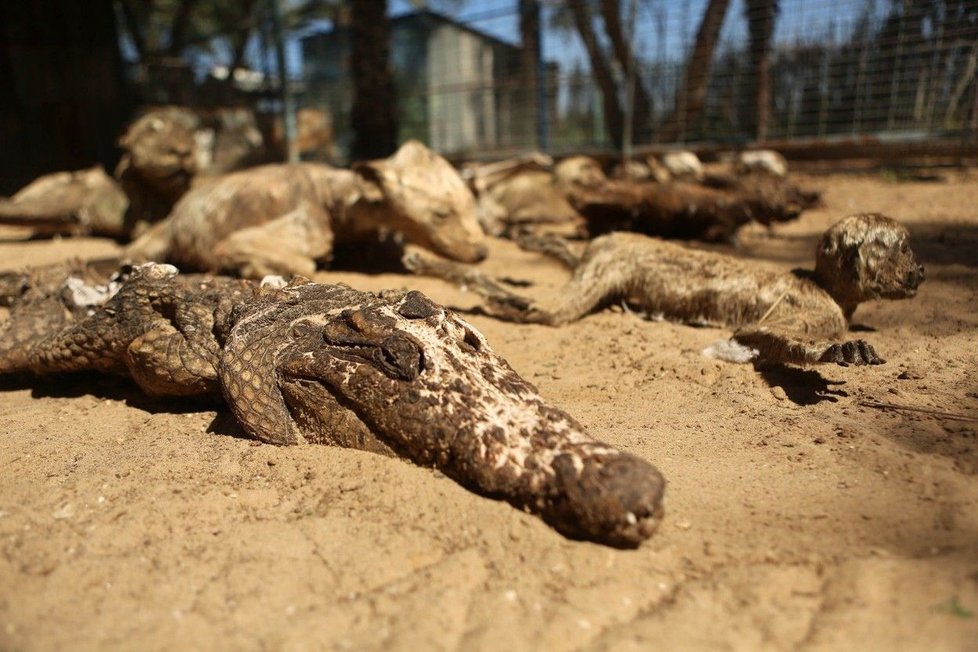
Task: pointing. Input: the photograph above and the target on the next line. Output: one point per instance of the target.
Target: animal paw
(513, 308)
(854, 352)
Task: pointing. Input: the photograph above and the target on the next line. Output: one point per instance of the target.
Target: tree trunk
(132, 22)
(642, 105)
(374, 112)
(181, 23)
(967, 77)
(529, 59)
(242, 33)
(690, 101)
(63, 102)
(613, 118)
(761, 15)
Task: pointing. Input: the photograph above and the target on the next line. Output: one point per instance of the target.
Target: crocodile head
(397, 373)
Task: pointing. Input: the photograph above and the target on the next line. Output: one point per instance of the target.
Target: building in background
(458, 88)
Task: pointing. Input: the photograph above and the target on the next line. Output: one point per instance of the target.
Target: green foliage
(155, 26)
(954, 608)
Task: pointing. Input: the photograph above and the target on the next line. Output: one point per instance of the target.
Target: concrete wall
(461, 110)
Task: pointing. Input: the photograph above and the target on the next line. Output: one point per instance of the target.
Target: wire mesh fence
(491, 77)
(891, 69)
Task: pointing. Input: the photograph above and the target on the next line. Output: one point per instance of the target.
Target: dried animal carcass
(520, 195)
(78, 203)
(677, 208)
(797, 317)
(286, 218)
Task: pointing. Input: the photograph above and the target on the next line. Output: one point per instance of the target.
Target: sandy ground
(798, 518)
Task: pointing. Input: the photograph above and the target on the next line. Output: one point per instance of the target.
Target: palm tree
(578, 15)
(761, 15)
(641, 103)
(72, 120)
(161, 29)
(692, 97)
(529, 63)
(373, 115)
(613, 116)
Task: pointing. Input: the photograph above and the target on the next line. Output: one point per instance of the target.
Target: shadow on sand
(105, 387)
(942, 243)
(801, 386)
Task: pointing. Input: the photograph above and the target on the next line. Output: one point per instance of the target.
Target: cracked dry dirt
(797, 517)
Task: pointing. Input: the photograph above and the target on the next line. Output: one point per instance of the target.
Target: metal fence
(890, 69)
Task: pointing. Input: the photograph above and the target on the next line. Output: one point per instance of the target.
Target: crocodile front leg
(159, 329)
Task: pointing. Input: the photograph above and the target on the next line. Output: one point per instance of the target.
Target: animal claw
(855, 352)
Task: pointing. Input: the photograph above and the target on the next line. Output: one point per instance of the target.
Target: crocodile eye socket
(470, 341)
(303, 329)
(417, 306)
